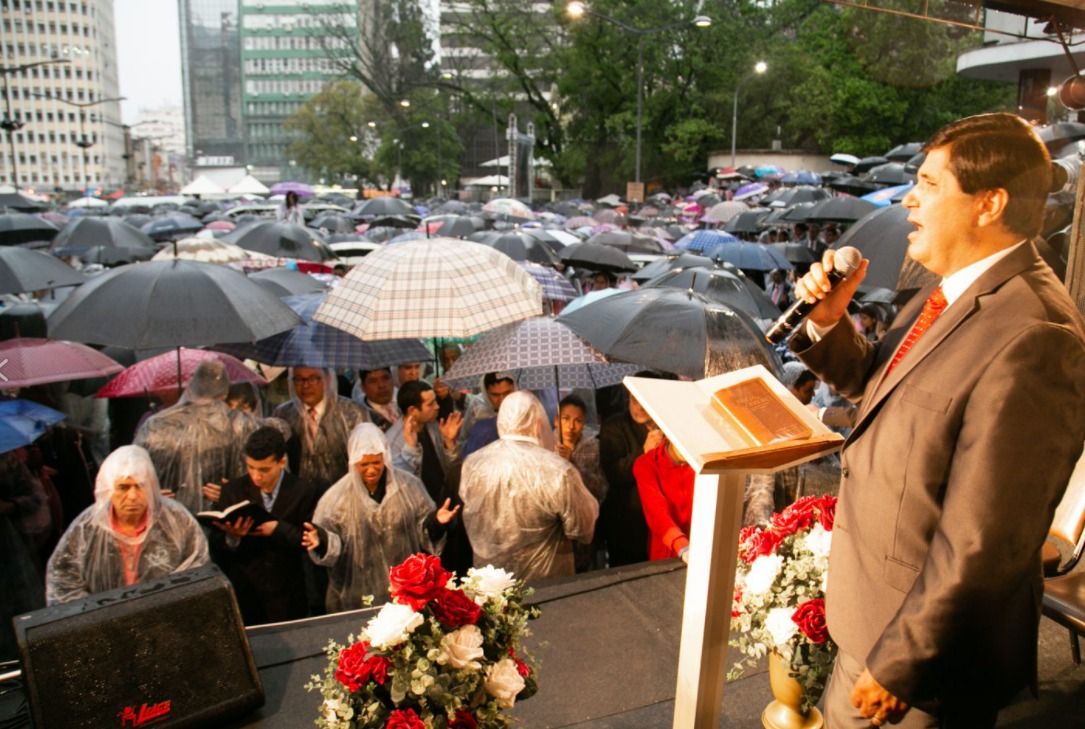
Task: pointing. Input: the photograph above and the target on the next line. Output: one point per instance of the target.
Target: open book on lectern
(744, 419)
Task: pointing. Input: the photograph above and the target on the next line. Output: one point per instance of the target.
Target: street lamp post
(759, 68)
(577, 10)
(11, 124)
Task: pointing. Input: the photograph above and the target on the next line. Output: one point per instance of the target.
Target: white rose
(819, 541)
(392, 625)
(464, 647)
(780, 625)
(763, 573)
(504, 682)
(489, 582)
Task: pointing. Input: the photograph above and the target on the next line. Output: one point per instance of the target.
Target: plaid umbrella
(507, 207)
(317, 345)
(159, 374)
(541, 353)
(700, 241)
(554, 286)
(440, 287)
(27, 361)
(724, 211)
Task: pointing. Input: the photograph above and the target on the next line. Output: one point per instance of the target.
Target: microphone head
(847, 260)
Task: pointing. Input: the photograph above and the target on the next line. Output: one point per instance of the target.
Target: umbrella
(453, 207)
(801, 177)
(453, 226)
(402, 237)
(83, 236)
(868, 163)
(626, 241)
(382, 206)
(439, 287)
(724, 211)
(904, 152)
(555, 287)
(22, 422)
(703, 241)
(110, 255)
(394, 221)
(881, 236)
(506, 207)
(137, 220)
(518, 245)
(302, 190)
(721, 286)
(670, 263)
(840, 209)
(287, 282)
(30, 361)
(849, 160)
(554, 238)
(748, 222)
(318, 345)
(579, 221)
(607, 215)
(333, 223)
(282, 240)
(159, 373)
(170, 304)
(671, 330)
(891, 173)
(596, 257)
(852, 185)
(751, 190)
(796, 195)
(887, 195)
(751, 256)
(18, 228)
(170, 226)
(590, 297)
(19, 201)
(23, 270)
(541, 353)
(205, 250)
(794, 252)
(222, 225)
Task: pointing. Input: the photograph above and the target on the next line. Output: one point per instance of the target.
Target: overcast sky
(148, 54)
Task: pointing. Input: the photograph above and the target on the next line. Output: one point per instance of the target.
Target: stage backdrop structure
(725, 427)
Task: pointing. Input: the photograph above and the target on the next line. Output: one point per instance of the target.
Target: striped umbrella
(541, 353)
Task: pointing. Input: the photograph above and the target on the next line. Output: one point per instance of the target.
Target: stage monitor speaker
(170, 652)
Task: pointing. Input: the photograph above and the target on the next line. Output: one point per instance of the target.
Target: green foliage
(325, 124)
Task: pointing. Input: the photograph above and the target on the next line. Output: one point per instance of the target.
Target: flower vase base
(779, 715)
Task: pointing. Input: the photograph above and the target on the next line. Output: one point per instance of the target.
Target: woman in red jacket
(665, 483)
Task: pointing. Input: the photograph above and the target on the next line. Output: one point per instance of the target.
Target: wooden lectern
(726, 427)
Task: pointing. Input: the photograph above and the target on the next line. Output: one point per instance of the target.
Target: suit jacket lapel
(955, 315)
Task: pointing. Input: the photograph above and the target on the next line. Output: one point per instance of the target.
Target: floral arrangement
(779, 602)
(443, 654)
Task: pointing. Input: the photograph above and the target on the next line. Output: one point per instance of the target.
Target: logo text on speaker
(147, 714)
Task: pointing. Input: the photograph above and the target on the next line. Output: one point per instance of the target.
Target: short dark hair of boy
(410, 394)
(265, 442)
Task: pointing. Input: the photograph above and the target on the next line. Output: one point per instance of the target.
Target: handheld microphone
(847, 260)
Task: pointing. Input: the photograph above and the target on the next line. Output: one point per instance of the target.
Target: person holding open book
(969, 426)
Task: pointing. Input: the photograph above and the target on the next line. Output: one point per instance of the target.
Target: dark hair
(490, 379)
(573, 400)
(244, 392)
(1000, 150)
(654, 375)
(410, 394)
(804, 377)
(291, 198)
(362, 374)
(264, 442)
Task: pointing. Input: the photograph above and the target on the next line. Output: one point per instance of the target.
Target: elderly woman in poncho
(130, 534)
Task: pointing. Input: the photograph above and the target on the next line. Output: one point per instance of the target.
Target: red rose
(353, 670)
(404, 719)
(757, 542)
(827, 512)
(454, 609)
(379, 668)
(464, 719)
(522, 668)
(418, 580)
(810, 617)
(736, 605)
(795, 518)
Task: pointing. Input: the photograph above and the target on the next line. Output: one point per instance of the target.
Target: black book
(232, 513)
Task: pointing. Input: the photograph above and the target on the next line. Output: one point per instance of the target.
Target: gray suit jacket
(950, 481)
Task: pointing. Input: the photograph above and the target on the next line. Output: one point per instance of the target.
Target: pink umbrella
(579, 221)
(26, 361)
(159, 374)
(220, 225)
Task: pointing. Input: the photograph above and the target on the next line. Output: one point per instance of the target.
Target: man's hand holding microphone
(823, 294)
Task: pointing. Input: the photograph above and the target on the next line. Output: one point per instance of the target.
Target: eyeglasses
(313, 380)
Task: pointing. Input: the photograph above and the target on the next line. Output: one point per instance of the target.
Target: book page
(759, 413)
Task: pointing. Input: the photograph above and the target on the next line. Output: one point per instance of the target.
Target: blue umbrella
(588, 298)
(22, 422)
(700, 241)
(884, 197)
(751, 256)
(801, 177)
(318, 345)
(169, 226)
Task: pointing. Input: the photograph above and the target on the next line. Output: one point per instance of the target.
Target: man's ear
(991, 206)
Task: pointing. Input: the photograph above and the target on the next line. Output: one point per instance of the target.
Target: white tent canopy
(487, 181)
(202, 186)
(248, 185)
(503, 161)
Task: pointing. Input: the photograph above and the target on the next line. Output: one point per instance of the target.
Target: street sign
(634, 192)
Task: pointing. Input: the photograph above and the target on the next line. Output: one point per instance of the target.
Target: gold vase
(785, 711)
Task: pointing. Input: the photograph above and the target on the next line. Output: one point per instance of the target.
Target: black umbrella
(596, 257)
(394, 221)
(840, 209)
(382, 206)
(18, 201)
(333, 223)
(748, 222)
(794, 195)
(890, 174)
(868, 163)
(174, 303)
(852, 185)
(881, 236)
(798, 253)
(671, 330)
(914, 163)
(137, 220)
(172, 226)
(283, 240)
(451, 207)
(669, 263)
(544, 236)
(721, 286)
(79, 236)
(24, 228)
(904, 152)
(26, 270)
(628, 242)
(110, 255)
(454, 226)
(287, 282)
(518, 245)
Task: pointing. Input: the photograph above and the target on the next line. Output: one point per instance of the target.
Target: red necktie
(932, 309)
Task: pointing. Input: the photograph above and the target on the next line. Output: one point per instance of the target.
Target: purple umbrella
(281, 188)
(753, 188)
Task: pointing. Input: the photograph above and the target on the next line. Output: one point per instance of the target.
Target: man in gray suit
(972, 416)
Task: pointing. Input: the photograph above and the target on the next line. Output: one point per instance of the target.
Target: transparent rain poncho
(523, 503)
(323, 460)
(92, 554)
(200, 439)
(365, 538)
